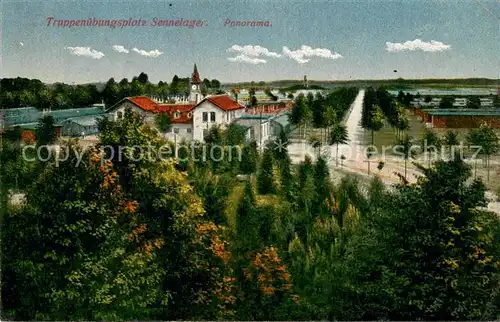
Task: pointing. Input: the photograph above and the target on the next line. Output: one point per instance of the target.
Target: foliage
(128, 235)
(338, 135)
(446, 102)
(266, 178)
(163, 122)
(46, 131)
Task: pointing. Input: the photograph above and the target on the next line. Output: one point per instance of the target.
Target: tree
(300, 114)
(143, 78)
(110, 92)
(430, 141)
(401, 96)
(247, 222)
(486, 140)
(451, 141)
(315, 142)
(249, 158)
(215, 84)
(447, 102)
(322, 183)
(377, 122)
(496, 101)
(473, 102)
(338, 135)
(175, 85)
(405, 146)
(402, 124)
(266, 175)
(253, 101)
(80, 245)
(163, 122)
(46, 131)
(194, 256)
(235, 135)
(432, 257)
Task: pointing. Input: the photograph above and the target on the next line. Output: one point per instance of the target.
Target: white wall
(183, 133)
(255, 130)
(222, 118)
(149, 117)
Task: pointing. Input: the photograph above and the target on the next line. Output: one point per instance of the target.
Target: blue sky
(466, 35)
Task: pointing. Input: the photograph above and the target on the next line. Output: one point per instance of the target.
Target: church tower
(195, 87)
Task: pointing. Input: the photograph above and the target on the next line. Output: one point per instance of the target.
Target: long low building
(69, 122)
(459, 118)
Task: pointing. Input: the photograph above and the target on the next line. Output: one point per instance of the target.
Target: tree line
(22, 92)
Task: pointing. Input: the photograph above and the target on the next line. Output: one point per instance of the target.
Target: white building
(191, 118)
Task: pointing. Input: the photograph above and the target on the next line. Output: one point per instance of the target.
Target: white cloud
(250, 54)
(417, 44)
(152, 53)
(303, 54)
(247, 59)
(253, 51)
(121, 49)
(86, 52)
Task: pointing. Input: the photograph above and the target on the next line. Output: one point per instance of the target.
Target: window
(189, 130)
(212, 116)
(205, 117)
(227, 116)
(169, 130)
(176, 114)
(176, 130)
(119, 115)
(190, 114)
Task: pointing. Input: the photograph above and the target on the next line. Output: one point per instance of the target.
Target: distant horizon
(284, 80)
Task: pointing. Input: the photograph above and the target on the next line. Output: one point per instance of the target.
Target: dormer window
(190, 114)
(177, 114)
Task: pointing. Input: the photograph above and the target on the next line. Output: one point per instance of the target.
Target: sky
(325, 40)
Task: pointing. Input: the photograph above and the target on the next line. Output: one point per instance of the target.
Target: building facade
(191, 119)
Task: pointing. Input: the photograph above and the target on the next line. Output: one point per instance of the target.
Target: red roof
(148, 105)
(184, 115)
(225, 103)
(174, 107)
(144, 103)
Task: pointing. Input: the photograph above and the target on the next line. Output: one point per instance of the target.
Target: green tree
(266, 175)
(300, 114)
(447, 102)
(46, 131)
(78, 245)
(432, 256)
(163, 122)
(496, 101)
(338, 136)
(451, 140)
(486, 140)
(405, 146)
(430, 141)
(194, 255)
(143, 78)
(473, 102)
(249, 157)
(246, 223)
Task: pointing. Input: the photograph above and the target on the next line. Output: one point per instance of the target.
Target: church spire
(195, 77)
